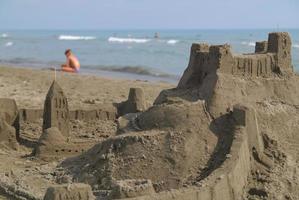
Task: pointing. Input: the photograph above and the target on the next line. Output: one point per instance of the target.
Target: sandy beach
(29, 87)
(227, 130)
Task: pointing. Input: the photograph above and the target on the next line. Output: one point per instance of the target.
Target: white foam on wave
(73, 37)
(252, 44)
(4, 35)
(127, 40)
(296, 45)
(172, 41)
(9, 44)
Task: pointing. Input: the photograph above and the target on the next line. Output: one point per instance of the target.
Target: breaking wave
(8, 44)
(172, 41)
(73, 37)
(252, 44)
(296, 45)
(128, 40)
(3, 35)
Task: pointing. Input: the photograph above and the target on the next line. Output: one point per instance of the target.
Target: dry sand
(29, 88)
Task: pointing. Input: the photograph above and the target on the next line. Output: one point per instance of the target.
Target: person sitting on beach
(72, 62)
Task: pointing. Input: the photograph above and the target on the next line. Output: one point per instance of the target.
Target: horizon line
(137, 29)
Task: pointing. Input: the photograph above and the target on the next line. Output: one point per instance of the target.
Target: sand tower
(135, 102)
(56, 112)
(11, 113)
(281, 45)
(9, 123)
(7, 133)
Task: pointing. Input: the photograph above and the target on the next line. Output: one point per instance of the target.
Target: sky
(148, 14)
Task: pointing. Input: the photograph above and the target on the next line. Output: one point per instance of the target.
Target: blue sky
(146, 14)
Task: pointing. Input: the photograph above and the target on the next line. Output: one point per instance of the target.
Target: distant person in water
(157, 35)
(72, 63)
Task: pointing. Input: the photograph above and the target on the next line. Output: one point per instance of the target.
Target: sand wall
(225, 183)
(31, 115)
(76, 191)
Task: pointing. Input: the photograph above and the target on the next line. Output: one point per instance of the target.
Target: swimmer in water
(157, 36)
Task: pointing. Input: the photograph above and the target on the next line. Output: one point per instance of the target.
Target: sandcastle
(54, 141)
(56, 111)
(208, 138)
(197, 138)
(271, 58)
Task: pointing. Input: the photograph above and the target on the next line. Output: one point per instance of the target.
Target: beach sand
(29, 87)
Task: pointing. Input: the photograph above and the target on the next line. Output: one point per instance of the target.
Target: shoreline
(105, 72)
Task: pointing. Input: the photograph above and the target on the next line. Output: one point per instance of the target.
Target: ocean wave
(172, 41)
(296, 45)
(139, 70)
(73, 37)
(252, 44)
(128, 40)
(21, 61)
(3, 35)
(8, 44)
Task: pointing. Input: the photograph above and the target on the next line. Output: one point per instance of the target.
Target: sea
(135, 54)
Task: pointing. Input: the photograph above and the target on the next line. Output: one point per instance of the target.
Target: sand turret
(7, 134)
(135, 102)
(261, 47)
(280, 44)
(9, 123)
(10, 109)
(56, 111)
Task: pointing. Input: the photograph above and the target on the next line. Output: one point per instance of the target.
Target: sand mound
(176, 143)
(49, 140)
(173, 149)
(52, 136)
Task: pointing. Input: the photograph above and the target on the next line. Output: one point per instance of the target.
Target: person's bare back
(72, 62)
